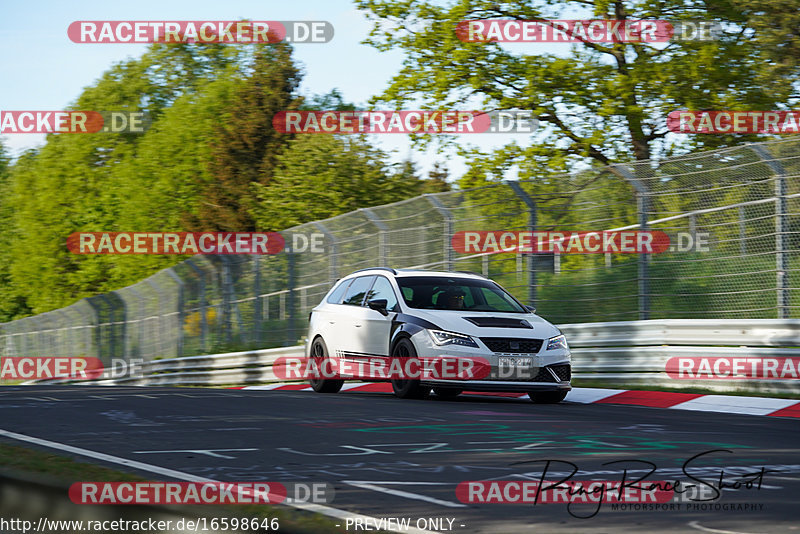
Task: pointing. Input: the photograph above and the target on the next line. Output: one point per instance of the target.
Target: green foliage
(319, 176)
(245, 144)
(599, 103)
(11, 304)
(211, 160)
(93, 182)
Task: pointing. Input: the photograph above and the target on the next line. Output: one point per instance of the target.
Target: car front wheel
(319, 352)
(407, 388)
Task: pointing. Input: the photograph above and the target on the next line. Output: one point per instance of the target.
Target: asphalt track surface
(395, 458)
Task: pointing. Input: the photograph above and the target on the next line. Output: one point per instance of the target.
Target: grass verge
(61, 471)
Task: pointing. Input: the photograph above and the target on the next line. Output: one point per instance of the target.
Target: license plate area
(514, 363)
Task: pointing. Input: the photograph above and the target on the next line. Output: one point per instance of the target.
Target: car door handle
(358, 326)
(332, 322)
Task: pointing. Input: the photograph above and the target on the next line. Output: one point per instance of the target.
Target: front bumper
(499, 385)
(551, 371)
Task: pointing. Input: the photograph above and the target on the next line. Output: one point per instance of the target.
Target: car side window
(336, 296)
(354, 296)
(408, 293)
(382, 289)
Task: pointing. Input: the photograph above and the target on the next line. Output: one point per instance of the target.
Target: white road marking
(698, 526)
(208, 452)
(179, 475)
(406, 494)
(396, 483)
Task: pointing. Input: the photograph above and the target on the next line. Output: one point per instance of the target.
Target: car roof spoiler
(376, 269)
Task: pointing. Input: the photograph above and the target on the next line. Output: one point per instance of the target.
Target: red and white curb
(653, 399)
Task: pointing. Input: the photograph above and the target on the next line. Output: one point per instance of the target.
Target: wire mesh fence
(733, 216)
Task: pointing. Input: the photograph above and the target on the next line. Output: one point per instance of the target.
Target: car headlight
(558, 342)
(441, 337)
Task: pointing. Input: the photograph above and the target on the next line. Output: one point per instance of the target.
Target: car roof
(414, 272)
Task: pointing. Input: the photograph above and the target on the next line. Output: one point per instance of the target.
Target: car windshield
(444, 293)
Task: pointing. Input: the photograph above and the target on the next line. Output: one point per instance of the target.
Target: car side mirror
(379, 305)
(530, 309)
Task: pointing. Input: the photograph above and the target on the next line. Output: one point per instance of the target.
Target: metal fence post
(781, 230)
(203, 303)
(382, 230)
(292, 282)
(96, 325)
(179, 307)
(158, 338)
(642, 208)
(141, 310)
(104, 343)
(229, 296)
(333, 251)
(110, 325)
(532, 223)
(447, 246)
(258, 319)
(122, 325)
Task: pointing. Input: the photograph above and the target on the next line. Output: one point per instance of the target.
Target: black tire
(407, 388)
(323, 385)
(448, 393)
(547, 397)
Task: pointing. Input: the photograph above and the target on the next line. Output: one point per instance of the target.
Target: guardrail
(609, 354)
(696, 332)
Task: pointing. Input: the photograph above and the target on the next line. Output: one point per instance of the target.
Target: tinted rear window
(336, 296)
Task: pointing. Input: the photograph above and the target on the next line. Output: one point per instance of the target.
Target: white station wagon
(382, 312)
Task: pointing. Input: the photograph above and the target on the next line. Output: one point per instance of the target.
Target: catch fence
(741, 206)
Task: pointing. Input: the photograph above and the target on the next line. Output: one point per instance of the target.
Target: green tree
(11, 303)
(318, 176)
(245, 144)
(332, 100)
(84, 182)
(598, 103)
(437, 181)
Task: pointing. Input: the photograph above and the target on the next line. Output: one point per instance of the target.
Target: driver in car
(454, 299)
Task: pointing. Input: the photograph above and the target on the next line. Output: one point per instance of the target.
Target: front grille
(564, 372)
(512, 345)
(543, 376)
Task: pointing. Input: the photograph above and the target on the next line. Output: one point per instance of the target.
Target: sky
(43, 70)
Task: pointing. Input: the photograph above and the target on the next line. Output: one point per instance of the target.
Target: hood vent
(498, 322)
